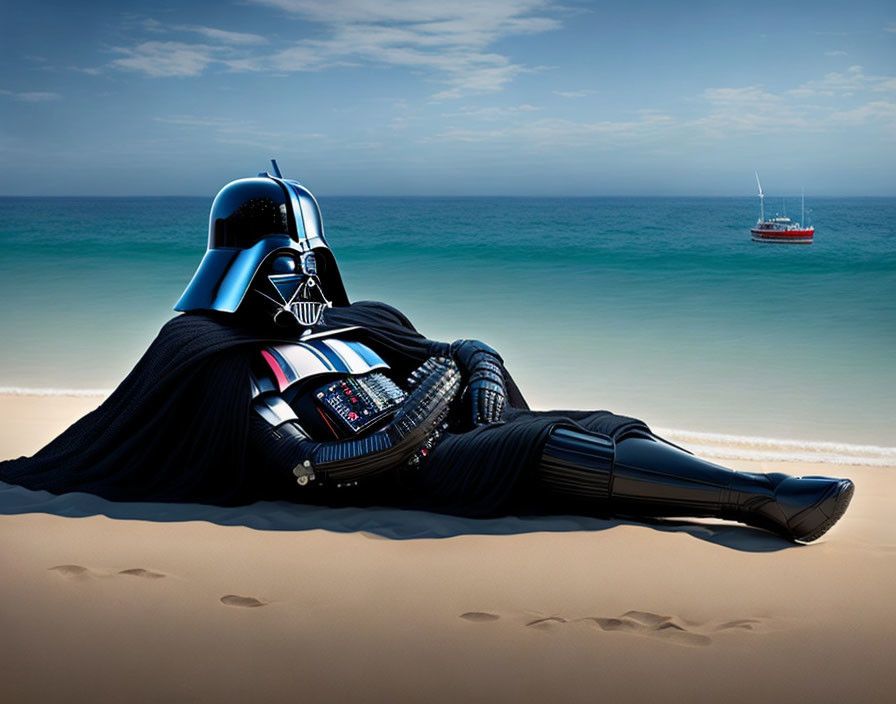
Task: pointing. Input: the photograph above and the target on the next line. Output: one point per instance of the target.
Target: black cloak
(176, 428)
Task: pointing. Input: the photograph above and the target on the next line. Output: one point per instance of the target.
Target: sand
(194, 605)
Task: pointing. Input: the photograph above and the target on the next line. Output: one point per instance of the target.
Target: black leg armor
(578, 466)
(645, 477)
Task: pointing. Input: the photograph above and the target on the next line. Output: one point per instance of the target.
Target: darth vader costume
(272, 385)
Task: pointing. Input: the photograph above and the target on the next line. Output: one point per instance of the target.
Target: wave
(711, 445)
(21, 391)
(747, 447)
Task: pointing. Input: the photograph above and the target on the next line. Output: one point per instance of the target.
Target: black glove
(486, 394)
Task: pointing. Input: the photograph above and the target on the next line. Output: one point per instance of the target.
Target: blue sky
(498, 97)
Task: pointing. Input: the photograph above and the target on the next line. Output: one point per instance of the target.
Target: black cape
(176, 428)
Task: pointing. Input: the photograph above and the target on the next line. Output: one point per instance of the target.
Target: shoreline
(20, 407)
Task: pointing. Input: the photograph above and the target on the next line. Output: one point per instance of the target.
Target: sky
(496, 97)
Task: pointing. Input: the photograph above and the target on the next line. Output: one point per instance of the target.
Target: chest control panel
(358, 402)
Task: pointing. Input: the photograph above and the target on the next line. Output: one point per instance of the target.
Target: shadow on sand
(386, 522)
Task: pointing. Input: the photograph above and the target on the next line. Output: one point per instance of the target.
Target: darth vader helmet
(266, 252)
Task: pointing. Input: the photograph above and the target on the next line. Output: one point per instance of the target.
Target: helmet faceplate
(250, 220)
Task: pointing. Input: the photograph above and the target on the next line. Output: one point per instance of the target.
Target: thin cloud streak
(224, 36)
(480, 17)
(492, 112)
(31, 96)
(572, 94)
(166, 59)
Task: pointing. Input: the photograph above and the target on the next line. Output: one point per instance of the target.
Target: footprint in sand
(243, 601)
(547, 624)
(79, 572)
(645, 623)
(746, 624)
(479, 616)
(145, 574)
(642, 623)
(72, 571)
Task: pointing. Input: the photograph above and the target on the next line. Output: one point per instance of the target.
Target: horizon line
(452, 195)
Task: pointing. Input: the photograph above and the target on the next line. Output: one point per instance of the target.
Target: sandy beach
(141, 603)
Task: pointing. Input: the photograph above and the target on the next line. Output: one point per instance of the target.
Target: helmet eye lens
(284, 273)
(283, 264)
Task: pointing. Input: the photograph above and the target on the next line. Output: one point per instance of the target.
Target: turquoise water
(657, 307)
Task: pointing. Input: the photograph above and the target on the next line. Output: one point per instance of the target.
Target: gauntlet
(485, 394)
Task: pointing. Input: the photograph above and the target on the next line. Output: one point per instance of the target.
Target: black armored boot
(641, 476)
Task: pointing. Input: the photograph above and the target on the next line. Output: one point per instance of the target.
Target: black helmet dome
(250, 220)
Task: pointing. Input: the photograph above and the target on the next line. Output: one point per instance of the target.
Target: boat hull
(784, 236)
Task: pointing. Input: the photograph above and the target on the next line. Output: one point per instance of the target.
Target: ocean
(661, 308)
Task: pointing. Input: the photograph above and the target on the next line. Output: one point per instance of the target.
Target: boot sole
(843, 496)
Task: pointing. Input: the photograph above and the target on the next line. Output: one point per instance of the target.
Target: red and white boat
(780, 229)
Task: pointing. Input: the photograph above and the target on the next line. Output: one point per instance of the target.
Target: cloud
(31, 96)
(835, 52)
(441, 17)
(749, 109)
(225, 37)
(214, 122)
(572, 93)
(148, 24)
(170, 58)
(739, 96)
(449, 41)
(166, 59)
(846, 83)
(309, 56)
(876, 111)
(480, 75)
(755, 109)
(492, 112)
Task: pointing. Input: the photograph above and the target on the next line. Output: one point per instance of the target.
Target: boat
(781, 229)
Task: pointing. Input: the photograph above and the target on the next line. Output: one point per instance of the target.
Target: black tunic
(175, 429)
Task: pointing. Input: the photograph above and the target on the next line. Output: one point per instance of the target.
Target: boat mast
(803, 207)
(761, 197)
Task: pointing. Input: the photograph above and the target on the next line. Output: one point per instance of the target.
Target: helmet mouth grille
(308, 313)
(308, 302)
